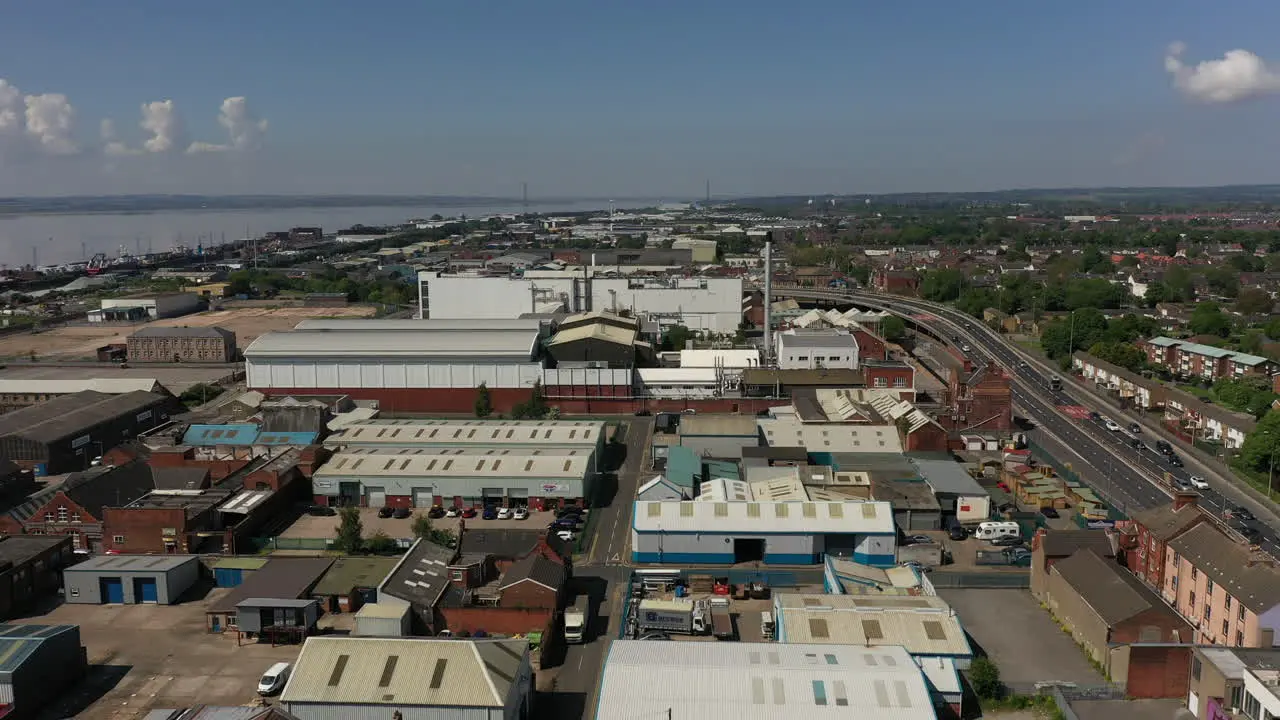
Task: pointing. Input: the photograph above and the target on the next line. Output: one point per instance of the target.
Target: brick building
(898, 282)
(1050, 546)
(77, 506)
(1146, 540)
(182, 344)
(1107, 611)
(1229, 591)
(1189, 359)
(871, 347)
(978, 398)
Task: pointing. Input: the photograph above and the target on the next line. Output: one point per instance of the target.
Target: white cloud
(10, 107)
(49, 120)
(111, 143)
(1237, 75)
(244, 131)
(161, 119)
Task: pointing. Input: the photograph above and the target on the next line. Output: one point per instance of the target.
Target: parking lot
(326, 526)
(1020, 637)
(149, 656)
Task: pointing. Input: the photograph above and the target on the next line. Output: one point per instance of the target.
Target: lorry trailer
(685, 617)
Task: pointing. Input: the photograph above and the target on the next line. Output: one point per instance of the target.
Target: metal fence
(279, 543)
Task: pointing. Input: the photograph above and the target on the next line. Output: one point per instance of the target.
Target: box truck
(685, 617)
(577, 620)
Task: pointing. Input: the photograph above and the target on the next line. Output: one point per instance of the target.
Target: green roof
(354, 572)
(240, 563)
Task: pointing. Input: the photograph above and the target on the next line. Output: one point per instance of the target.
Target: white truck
(683, 616)
(576, 621)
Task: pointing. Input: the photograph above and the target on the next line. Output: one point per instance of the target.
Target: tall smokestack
(768, 304)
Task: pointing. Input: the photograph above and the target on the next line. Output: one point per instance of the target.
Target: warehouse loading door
(111, 589)
(492, 496)
(144, 590)
(422, 497)
(377, 497)
(519, 497)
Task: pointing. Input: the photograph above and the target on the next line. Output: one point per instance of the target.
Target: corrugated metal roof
(595, 331)
(19, 640)
(746, 681)
(374, 325)
(70, 415)
(719, 426)
(132, 563)
(764, 517)
(482, 433)
(230, 434)
(947, 476)
(549, 465)
(107, 386)
(405, 672)
(923, 624)
(516, 345)
(790, 432)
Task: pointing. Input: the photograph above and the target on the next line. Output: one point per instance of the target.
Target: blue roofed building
(37, 664)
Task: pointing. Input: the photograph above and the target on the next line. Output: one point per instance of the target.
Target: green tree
(1273, 328)
(675, 338)
(1079, 330)
(1208, 319)
(861, 273)
(1157, 292)
(1249, 395)
(984, 676)
(1254, 301)
(380, 543)
(942, 285)
(484, 403)
(1180, 284)
(350, 537)
(1120, 353)
(893, 328)
(1261, 449)
(422, 527)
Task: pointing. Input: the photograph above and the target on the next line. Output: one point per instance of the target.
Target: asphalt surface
(1129, 478)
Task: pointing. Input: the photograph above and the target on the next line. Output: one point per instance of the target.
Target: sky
(582, 98)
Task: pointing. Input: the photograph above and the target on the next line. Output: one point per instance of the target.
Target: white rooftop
(788, 431)
(482, 433)
(645, 680)
(728, 358)
(442, 465)
(764, 517)
(474, 344)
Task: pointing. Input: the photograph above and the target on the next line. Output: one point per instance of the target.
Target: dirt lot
(310, 526)
(80, 341)
(149, 656)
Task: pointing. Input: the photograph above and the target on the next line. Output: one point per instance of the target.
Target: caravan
(997, 530)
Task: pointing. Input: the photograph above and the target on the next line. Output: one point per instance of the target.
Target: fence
(978, 580)
(279, 543)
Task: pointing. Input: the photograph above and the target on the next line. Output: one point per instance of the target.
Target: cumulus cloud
(244, 130)
(161, 119)
(111, 142)
(1237, 75)
(10, 107)
(49, 120)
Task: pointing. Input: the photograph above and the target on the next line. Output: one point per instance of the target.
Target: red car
(469, 512)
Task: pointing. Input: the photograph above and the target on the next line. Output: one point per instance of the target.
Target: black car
(570, 510)
(321, 511)
(386, 512)
(401, 513)
(436, 512)
(958, 532)
(1010, 541)
(643, 413)
(1135, 428)
(1174, 460)
(1048, 512)
(1163, 447)
(1136, 443)
(1094, 415)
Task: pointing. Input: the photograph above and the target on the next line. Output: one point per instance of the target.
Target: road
(1131, 479)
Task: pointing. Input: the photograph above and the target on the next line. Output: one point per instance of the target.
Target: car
(1163, 447)
(1023, 364)
(566, 535)
(1049, 512)
(468, 512)
(1094, 415)
(917, 540)
(689, 411)
(1240, 513)
(568, 522)
(274, 679)
(1135, 428)
(520, 513)
(436, 512)
(386, 511)
(654, 636)
(958, 532)
(1198, 482)
(402, 513)
(569, 510)
(915, 565)
(643, 413)
(1136, 443)
(321, 511)
(453, 512)
(965, 347)
(1174, 460)
(490, 513)
(504, 513)
(1010, 541)
(1182, 484)
(1111, 425)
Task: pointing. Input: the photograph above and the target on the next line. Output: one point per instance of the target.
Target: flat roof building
(729, 681)
(923, 624)
(131, 579)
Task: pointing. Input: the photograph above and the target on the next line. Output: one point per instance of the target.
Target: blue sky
(583, 97)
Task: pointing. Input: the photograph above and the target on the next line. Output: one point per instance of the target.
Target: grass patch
(1256, 479)
(1042, 705)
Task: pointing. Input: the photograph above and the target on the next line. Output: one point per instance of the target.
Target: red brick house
(1050, 546)
(1147, 537)
(77, 506)
(891, 374)
(898, 282)
(871, 347)
(978, 398)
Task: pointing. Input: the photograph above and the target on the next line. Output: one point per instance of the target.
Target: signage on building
(144, 415)
(80, 442)
(555, 489)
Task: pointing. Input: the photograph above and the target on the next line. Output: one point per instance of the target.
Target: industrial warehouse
(455, 479)
(784, 533)
(584, 436)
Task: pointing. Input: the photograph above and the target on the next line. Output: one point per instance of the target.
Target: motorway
(1131, 479)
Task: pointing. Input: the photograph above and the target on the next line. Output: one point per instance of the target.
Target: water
(57, 238)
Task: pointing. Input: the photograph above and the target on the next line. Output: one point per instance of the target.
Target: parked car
(1049, 512)
(1135, 428)
(436, 512)
(568, 510)
(274, 679)
(568, 522)
(490, 513)
(917, 540)
(654, 636)
(504, 513)
(321, 510)
(1010, 541)
(453, 512)
(566, 535)
(402, 513)
(643, 413)
(469, 512)
(1198, 482)
(958, 532)
(386, 511)
(520, 513)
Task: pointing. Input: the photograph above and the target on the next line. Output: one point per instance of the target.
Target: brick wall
(495, 620)
(143, 529)
(529, 594)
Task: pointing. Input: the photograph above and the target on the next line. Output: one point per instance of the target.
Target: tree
(984, 676)
(675, 338)
(1254, 301)
(380, 543)
(1122, 354)
(350, 537)
(1208, 319)
(422, 527)
(484, 404)
(1180, 284)
(1251, 395)
(1157, 292)
(943, 285)
(861, 273)
(1081, 329)
(893, 328)
(1261, 449)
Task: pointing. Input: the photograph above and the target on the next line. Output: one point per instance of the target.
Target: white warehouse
(782, 533)
(709, 304)
(585, 437)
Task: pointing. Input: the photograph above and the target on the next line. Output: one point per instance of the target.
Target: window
(1195, 667)
(48, 517)
(1208, 590)
(62, 513)
(1251, 706)
(1241, 613)
(899, 382)
(1193, 603)
(1228, 603)
(75, 517)
(1226, 628)
(118, 539)
(881, 382)
(1206, 610)
(1193, 573)
(455, 575)
(819, 693)
(1240, 638)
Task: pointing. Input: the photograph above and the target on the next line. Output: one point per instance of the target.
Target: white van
(995, 530)
(274, 679)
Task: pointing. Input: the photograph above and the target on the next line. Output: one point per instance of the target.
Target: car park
(402, 513)
(386, 511)
(1198, 482)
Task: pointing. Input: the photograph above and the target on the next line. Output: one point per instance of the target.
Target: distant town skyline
(580, 99)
